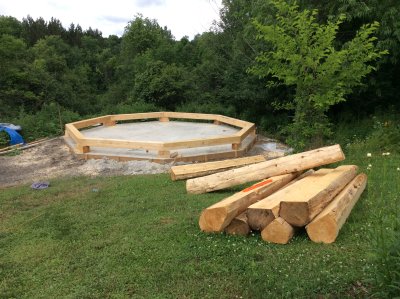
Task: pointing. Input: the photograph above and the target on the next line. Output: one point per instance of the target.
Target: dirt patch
(53, 159)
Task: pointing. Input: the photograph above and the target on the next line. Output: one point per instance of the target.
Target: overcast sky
(182, 17)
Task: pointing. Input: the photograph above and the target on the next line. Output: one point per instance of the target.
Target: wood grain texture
(259, 171)
(326, 226)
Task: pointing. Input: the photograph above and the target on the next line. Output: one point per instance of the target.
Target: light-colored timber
(278, 231)
(305, 199)
(201, 169)
(259, 171)
(239, 142)
(238, 226)
(218, 216)
(263, 212)
(326, 226)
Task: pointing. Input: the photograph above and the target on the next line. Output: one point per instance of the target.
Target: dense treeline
(50, 75)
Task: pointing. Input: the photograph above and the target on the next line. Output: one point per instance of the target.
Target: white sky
(182, 17)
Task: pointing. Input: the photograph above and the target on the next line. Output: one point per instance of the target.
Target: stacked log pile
(286, 198)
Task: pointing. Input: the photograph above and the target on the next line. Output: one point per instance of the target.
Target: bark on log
(326, 226)
(305, 199)
(278, 231)
(263, 212)
(201, 169)
(238, 226)
(218, 216)
(287, 164)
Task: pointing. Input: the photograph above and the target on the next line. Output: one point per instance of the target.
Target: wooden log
(278, 231)
(218, 216)
(326, 226)
(238, 226)
(287, 164)
(201, 169)
(305, 199)
(263, 212)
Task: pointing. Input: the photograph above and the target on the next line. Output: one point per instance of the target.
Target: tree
(304, 56)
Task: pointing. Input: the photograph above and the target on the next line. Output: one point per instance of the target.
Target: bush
(49, 121)
(4, 139)
(207, 107)
(131, 107)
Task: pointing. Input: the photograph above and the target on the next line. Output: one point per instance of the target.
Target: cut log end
(258, 219)
(278, 231)
(213, 220)
(324, 231)
(295, 213)
(238, 226)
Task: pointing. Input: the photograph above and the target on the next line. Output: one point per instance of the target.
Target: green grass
(138, 237)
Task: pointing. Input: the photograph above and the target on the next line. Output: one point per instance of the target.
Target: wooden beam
(218, 216)
(326, 226)
(254, 172)
(137, 116)
(201, 142)
(278, 231)
(263, 212)
(187, 115)
(201, 169)
(163, 119)
(238, 226)
(90, 122)
(116, 143)
(306, 198)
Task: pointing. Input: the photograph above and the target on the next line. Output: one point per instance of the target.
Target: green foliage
(207, 107)
(164, 85)
(4, 139)
(131, 106)
(49, 121)
(303, 55)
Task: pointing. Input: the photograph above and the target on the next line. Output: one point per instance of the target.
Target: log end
(238, 227)
(278, 231)
(258, 219)
(295, 213)
(323, 230)
(213, 220)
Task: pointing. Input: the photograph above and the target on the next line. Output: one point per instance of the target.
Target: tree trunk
(263, 212)
(201, 169)
(325, 227)
(305, 199)
(238, 226)
(287, 164)
(217, 217)
(278, 231)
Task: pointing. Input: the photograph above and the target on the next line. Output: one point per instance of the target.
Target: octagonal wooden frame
(82, 144)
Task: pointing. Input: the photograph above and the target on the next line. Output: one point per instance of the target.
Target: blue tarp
(15, 137)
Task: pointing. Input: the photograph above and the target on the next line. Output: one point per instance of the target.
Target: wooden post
(109, 123)
(163, 154)
(326, 226)
(238, 226)
(82, 149)
(259, 171)
(163, 119)
(278, 231)
(235, 146)
(218, 216)
(306, 198)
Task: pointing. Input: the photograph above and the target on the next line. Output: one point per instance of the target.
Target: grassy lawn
(124, 237)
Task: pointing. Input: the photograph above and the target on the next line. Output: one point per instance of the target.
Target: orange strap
(263, 183)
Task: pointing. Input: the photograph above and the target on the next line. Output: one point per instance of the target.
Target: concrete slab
(160, 131)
